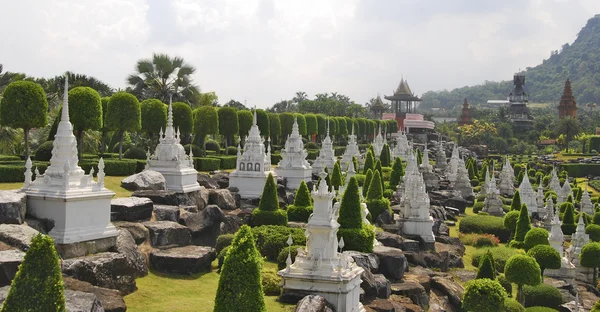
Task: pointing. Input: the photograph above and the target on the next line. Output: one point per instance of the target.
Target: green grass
(165, 292)
(111, 183)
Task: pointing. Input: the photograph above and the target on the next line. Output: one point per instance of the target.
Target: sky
(264, 51)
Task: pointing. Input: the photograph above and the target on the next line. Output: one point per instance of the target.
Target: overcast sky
(266, 50)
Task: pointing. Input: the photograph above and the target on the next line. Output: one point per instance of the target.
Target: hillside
(579, 61)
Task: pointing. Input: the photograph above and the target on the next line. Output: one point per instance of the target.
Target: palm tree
(163, 76)
(570, 127)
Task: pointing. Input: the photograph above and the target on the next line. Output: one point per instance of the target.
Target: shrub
(482, 224)
(590, 257)
(546, 256)
(510, 221)
(593, 230)
(539, 309)
(38, 285)
(299, 213)
(123, 113)
(311, 145)
(270, 282)
(196, 150)
(500, 255)
(486, 267)
(505, 284)
(118, 168)
(512, 305)
(368, 178)
(542, 296)
(221, 256)
(483, 295)
(336, 176)
(523, 224)
(240, 287)
(522, 270)
(360, 178)
(474, 182)
(375, 201)
(397, 173)
(206, 163)
(283, 254)
(223, 241)
(44, 151)
(536, 236)
(262, 217)
(388, 193)
(568, 221)
(134, 153)
(516, 201)
(470, 239)
(360, 240)
(271, 239)
(227, 162)
(212, 145)
(486, 241)
(232, 151)
(478, 206)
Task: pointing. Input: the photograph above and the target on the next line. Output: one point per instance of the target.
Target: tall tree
(569, 127)
(182, 118)
(245, 118)
(85, 112)
(235, 104)
(123, 114)
(274, 126)
(208, 98)
(154, 118)
(262, 119)
(24, 105)
(163, 76)
(228, 124)
(206, 121)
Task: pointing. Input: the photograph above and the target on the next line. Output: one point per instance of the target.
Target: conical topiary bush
(302, 207)
(397, 173)
(357, 235)
(375, 200)
(268, 212)
(367, 182)
(369, 162)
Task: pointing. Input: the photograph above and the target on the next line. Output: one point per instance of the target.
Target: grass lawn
(165, 292)
(111, 183)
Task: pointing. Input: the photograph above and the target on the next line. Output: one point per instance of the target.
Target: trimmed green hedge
(542, 295)
(267, 217)
(358, 239)
(299, 213)
(282, 257)
(500, 255)
(9, 157)
(482, 224)
(271, 239)
(11, 173)
(312, 154)
(223, 241)
(581, 170)
(275, 158)
(206, 163)
(226, 162)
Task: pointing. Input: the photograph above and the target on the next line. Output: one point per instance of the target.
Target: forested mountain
(579, 62)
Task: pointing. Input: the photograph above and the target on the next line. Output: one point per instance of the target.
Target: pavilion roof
(402, 93)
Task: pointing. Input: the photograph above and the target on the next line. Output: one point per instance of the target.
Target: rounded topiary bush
(593, 230)
(283, 254)
(271, 239)
(196, 150)
(134, 153)
(474, 182)
(44, 151)
(270, 282)
(358, 239)
(512, 305)
(232, 150)
(482, 224)
(311, 145)
(483, 295)
(546, 256)
(536, 236)
(212, 145)
(542, 295)
(539, 309)
(261, 217)
(478, 206)
(223, 241)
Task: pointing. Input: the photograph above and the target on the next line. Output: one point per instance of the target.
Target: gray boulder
(131, 209)
(222, 179)
(205, 225)
(145, 180)
(392, 261)
(367, 261)
(9, 265)
(183, 260)
(222, 198)
(137, 230)
(111, 300)
(164, 233)
(413, 290)
(313, 303)
(166, 213)
(75, 301)
(389, 239)
(18, 236)
(206, 181)
(13, 206)
(108, 270)
(43, 226)
(450, 288)
(197, 198)
(126, 246)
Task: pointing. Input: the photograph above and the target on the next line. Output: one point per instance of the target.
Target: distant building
(378, 108)
(567, 106)
(404, 103)
(518, 111)
(465, 116)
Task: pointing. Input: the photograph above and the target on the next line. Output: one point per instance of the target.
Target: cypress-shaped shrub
(516, 201)
(268, 212)
(356, 164)
(523, 224)
(357, 235)
(419, 157)
(397, 173)
(375, 200)
(302, 207)
(369, 162)
(510, 222)
(44, 151)
(367, 183)
(385, 156)
(240, 287)
(38, 285)
(336, 176)
(486, 267)
(380, 169)
(568, 225)
(536, 236)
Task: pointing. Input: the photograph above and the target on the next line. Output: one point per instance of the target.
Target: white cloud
(266, 50)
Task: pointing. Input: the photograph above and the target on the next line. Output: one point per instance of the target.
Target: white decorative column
(293, 165)
(79, 206)
(493, 203)
(565, 191)
(352, 150)
(507, 179)
(586, 203)
(556, 239)
(326, 158)
(401, 149)
(416, 219)
(320, 268)
(528, 195)
(554, 183)
(453, 166)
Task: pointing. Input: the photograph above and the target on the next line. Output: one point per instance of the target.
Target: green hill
(579, 62)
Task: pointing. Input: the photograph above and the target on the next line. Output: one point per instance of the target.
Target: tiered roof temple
(465, 116)
(567, 106)
(518, 99)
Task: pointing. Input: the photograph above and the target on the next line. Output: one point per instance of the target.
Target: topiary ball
(134, 153)
(212, 145)
(232, 150)
(44, 151)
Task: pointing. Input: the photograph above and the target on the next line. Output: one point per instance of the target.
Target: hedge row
(482, 224)
(581, 170)
(207, 163)
(226, 162)
(15, 171)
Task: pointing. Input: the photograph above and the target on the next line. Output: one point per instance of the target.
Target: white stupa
(578, 240)
(401, 149)
(431, 179)
(556, 239)
(528, 195)
(440, 160)
(507, 179)
(352, 150)
(253, 166)
(293, 165)
(554, 183)
(463, 183)
(425, 165)
(565, 191)
(326, 156)
(416, 219)
(171, 161)
(452, 170)
(486, 183)
(539, 198)
(493, 203)
(319, 267)
(586, 203)
(549, 213)
(378, 143)
(79, 206)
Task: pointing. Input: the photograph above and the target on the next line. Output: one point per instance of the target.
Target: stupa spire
(169, 131)
(65, 109)
(254, 122)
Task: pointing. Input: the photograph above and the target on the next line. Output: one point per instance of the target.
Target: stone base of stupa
(341, 291)
(294, 176)
(506, 190)
(79, 215)
(320, 166)
(249, 183)
(419, 227)
(493, 207)
(564, 273)
(180, 180)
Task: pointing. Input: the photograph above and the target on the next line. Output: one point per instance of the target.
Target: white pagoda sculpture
(486, 183)
(452, 170)
(440, 160)
(539, 198)
(528, 195)
(565, 191)
(463, 183)
(554, 183)
(78, 205)
(507, 179)
(401, 149)
(586, 203)
(319, 267)
(556, 239)
(253, 166)
(352, 150)
(431, 179)
(293, 165)
(578, 240)
(493, 203)
(326, 156)
(378, 143)
(416, 219)
(549, 213)
(171, 161)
